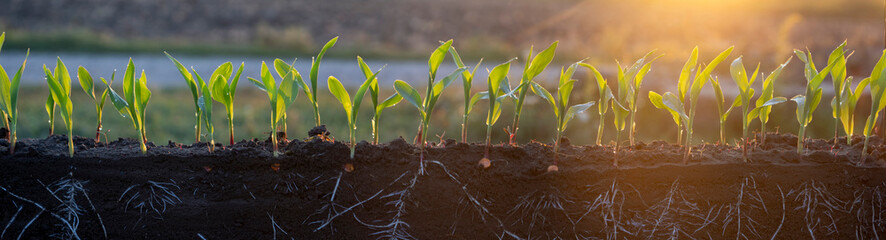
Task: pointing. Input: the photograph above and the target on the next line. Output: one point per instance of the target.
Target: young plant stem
(198, 126)
(274, 134)
(231, 126)
(98, 130)
(633, 127)
(52, 121)
(353, 132)
(316, 115)
(421, 145)
(800, 139)
(723, 133)
(617, 143)
(71, 142)
(488, 142)
(464, 129)
(744, 131)
(600, 131)
(557, 148)
(375, 129)
(144, 148)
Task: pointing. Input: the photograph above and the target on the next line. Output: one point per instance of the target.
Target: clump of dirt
(319, 131)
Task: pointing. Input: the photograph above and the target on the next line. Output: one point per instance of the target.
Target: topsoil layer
(111, 191)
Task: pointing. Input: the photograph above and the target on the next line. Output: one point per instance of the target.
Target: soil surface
(176, 191)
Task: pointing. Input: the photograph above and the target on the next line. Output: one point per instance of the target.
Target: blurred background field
(400, 34)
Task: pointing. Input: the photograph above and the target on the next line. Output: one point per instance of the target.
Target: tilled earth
(175, 191)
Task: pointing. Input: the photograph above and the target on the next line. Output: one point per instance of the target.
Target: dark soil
(179, 191)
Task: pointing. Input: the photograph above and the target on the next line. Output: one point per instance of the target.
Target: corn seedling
(311, 93)
(280, 96)
(847, 105)
(534, 67)
(223, 91)
(674, 103)
(746, 92)
(467, 82)
(351, 107)
(195, 92)
(560, 104)
(204, 103)
(878, 101)
(721, 112)
(838, 75)
(628, 79)
(605, 96)
(373, 92)
(498, 90)
(808, 102)
(9, 96)
(434, 89)
(635, 89)
(59, 81)
(88, 85)
(134, 101)
(766, 96)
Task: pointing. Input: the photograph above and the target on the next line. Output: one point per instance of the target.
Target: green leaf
(16, 81)
(390, 102)
(673, 103)
(409, 94)
(341, 94)
(546, 95)
(575, 109)
(86, 82)
(476, 98)
(315, 65)
(688, 67)
(189, 79)
(540, 62)
(439, 86)
(437, 57)
(119, 103)
(498, 74)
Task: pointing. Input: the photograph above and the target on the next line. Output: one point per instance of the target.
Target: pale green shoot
(675, 104)
(767, 95)
(59, 82)
(434, 89)
(604, 96)
(134, 101)
(9, 96)
(878, 101)
(560, 104)
(204, 103)
(86, 82)
(224, 91)
(351, 107)
(746, 92)
(723, 113)
(195, 92)
(807, 103)
(467, 82)
(498, 90)
(280, 96)
(838, 74)
(534, 67)
(376, 105)
(315, 67)
(847, 105)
